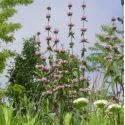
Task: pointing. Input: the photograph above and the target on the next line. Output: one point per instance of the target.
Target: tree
(7, 10)
(107, 56)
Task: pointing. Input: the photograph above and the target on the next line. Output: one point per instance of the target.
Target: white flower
(81, 102)
(114, 108)
(101, 103)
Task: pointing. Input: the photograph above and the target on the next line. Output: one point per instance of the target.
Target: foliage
(7, 29)
(107, 56)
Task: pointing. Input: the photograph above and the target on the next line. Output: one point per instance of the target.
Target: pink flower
(43, 58)
(48, 16)
(83, 29)
(83, 6)
(48, 28)
(114, 37)
(55, 65)
(83, 90)
(109, 57)
(82, 78)
(69, 5)
(56, 75)
(45, 69)
(83, 18)
(37, 42)
(38, 53)
(74, 81)
(48, 38)
(108, 47)
(56, 50)
(114, 27)
(49, 48)
(60, 87)
(44, 79)
(62, 51)
(107, 37)
(113, 19)
(56, 31)
(39, 66)
(82, 67)
(64, 62)
(70, 13)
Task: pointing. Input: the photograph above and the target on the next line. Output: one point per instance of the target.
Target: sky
(33, 19)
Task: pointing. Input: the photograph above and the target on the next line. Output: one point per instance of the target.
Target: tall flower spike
(49, 37)
(70, 25)
(83, 31)
(48, 27)
(56, 40)
(37, 39)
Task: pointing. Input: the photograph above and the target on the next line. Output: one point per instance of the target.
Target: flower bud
(70, 13)
(69, 5)
(113, 19)
(83, 18)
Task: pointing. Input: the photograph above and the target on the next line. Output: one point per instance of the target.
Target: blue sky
(33, 20)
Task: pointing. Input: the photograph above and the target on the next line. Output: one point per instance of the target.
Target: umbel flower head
(114, 108)
(81, 102)
(100, 103)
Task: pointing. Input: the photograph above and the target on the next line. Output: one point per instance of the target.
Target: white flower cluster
(100, 103)
(114, 108)
(81, 102)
